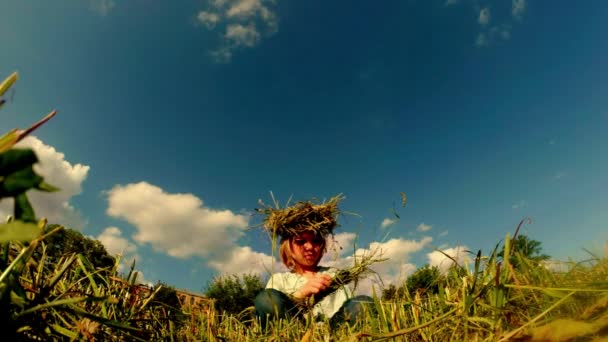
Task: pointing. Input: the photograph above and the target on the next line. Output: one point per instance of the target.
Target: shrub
(233, 294)
(426, 279)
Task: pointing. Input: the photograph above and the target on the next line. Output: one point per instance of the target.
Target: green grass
(487, 299)
(490, 301)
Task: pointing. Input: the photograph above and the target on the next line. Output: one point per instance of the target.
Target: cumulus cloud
(117, 245)
(423, 227)
(176, 224)
(518, 8)
(392, 271)
(245, 23)
(57, 171)
(208, 19)
(338, 246)
(484, 16)
(436, 258)
(242, 35)
(245, 260)
(443, 233)
(102, 7)
(387, 222)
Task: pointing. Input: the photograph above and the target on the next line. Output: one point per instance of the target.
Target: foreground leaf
(16, 159)
(18, 231)
(24, 210)
(19, 182)
(9, 139)
(8, 82)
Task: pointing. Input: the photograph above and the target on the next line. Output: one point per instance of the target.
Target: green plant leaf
(44, 186)
(16, 159)
(8, 82)
(62, 302)
(19, 182)
(64, 331)
(24, 210)
(18, 231)
(9, 139)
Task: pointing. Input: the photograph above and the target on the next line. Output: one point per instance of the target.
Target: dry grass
(304, 216)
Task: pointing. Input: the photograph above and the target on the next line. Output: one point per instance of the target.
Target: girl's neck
(306, 271)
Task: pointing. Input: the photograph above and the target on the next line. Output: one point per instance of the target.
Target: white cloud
(102, 7)
(245, 21)
(245, 260)
(392, 271)
(519, 205)
(387, 222)
(241, 35)
(423, 227)
(518, 8)
(208, 19)
(339, 245)
(55, 206)
(244, 8)
(484, 16)
(176, 224)
(436, 258)
(443, 233)
(118, 245)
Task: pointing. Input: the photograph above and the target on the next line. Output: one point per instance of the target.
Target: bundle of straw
(360, 269)
(302, 217)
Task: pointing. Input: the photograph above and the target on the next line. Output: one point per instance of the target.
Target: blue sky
(175, 118)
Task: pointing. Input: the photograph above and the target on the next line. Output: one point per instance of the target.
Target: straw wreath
(304, 216)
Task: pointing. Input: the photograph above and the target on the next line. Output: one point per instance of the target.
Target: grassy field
(490, 301)
(495, 297)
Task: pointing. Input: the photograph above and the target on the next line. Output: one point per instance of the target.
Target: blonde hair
(286, 253)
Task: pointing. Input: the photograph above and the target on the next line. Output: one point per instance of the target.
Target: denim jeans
(271, 303)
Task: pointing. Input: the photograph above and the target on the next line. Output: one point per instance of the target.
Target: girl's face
(307, 249)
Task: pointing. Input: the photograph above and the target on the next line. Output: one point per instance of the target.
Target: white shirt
(290, 282)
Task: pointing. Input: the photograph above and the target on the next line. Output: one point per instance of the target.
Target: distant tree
(68, 241)
(524, 247)
(426, 279)
(234, 294)
(392, 292)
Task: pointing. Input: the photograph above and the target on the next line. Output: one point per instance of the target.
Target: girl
(301, 254)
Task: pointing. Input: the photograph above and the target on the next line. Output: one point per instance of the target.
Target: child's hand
(313, 286)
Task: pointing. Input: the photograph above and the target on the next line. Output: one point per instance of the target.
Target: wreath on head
(304, 216)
